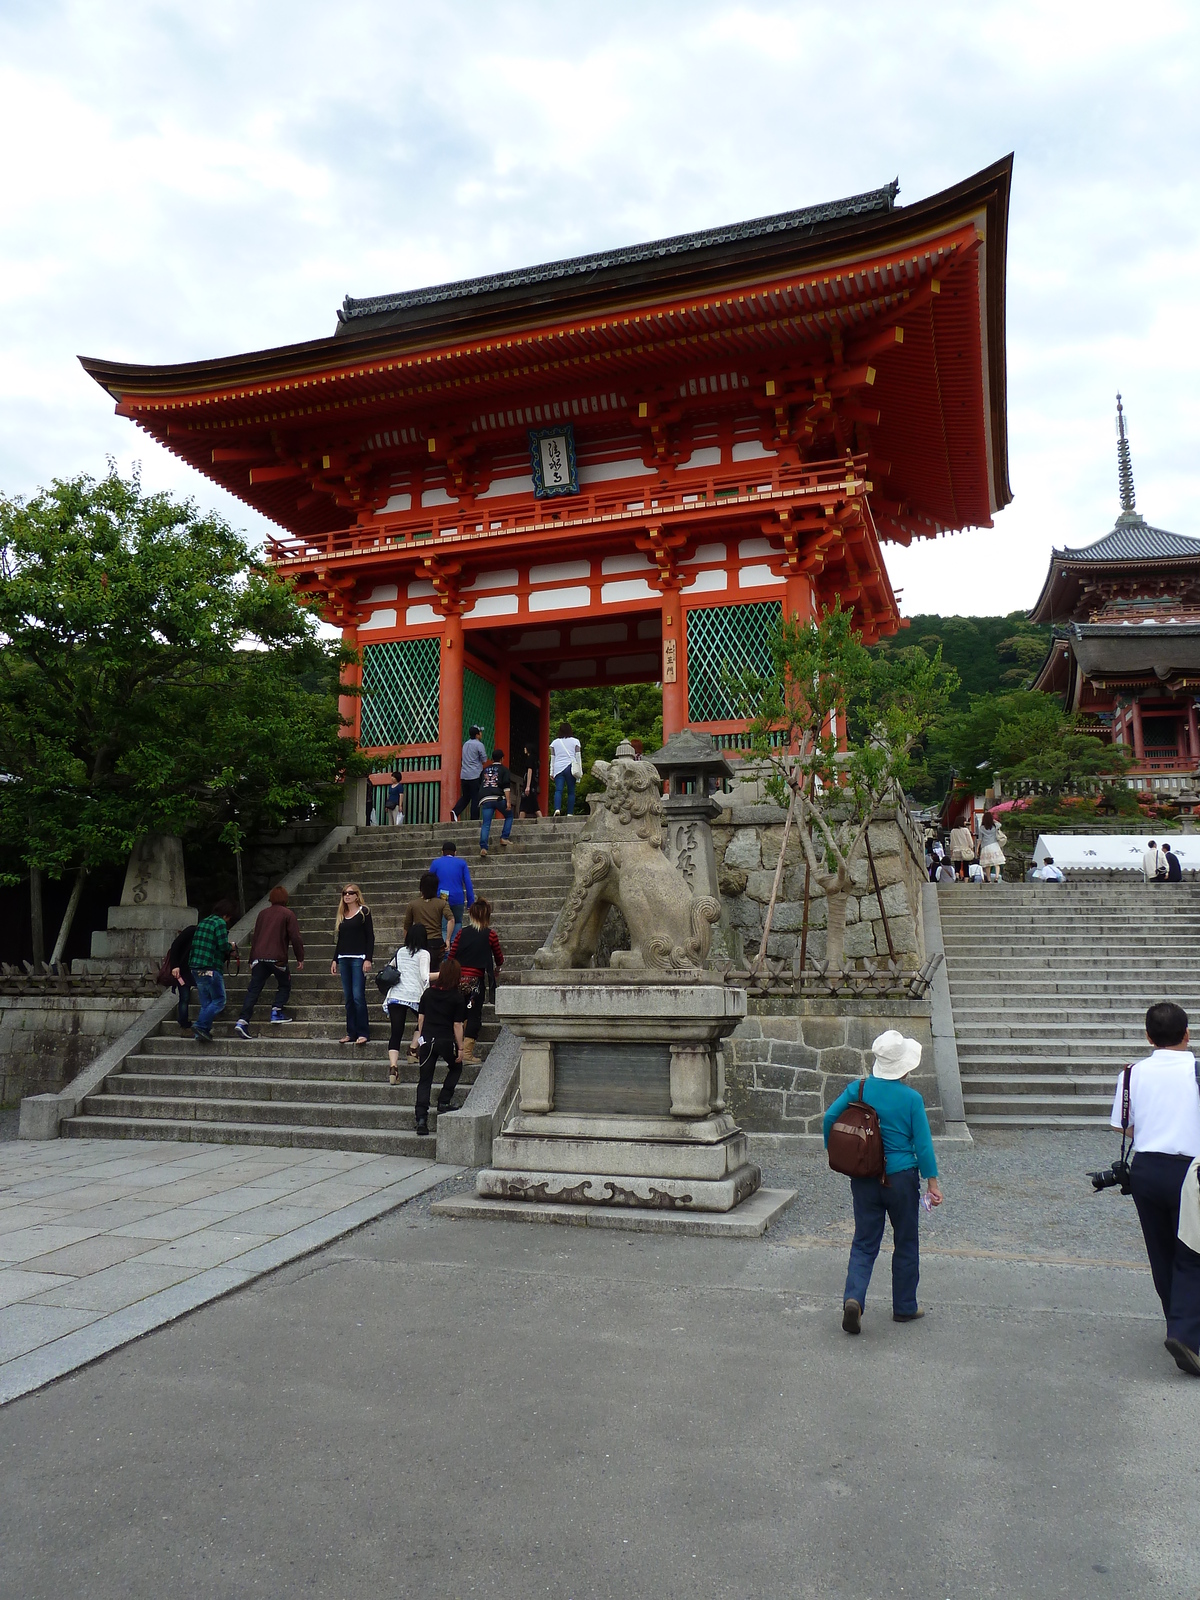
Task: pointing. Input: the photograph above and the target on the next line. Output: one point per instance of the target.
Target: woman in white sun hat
(908, 1157)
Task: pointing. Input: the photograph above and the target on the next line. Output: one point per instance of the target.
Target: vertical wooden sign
(670, 649)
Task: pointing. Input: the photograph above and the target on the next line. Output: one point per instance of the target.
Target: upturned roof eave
(498, 311)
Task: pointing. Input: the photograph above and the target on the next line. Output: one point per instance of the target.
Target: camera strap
(1125, 1077)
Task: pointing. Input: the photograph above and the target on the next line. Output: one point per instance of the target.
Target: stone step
(1101, 1065)
(312, 1069)
(184, 1048)
(1028, 1029)
(1034, 1104)
(283, 1036)
(1018, 1119)
(1065, 1048)
(372, 1141)
(376, 1091)
(280, 1113)
(1093, 1085)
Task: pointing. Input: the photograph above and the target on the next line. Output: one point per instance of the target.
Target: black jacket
(356, 936)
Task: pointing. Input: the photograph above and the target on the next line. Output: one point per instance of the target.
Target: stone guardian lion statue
(619, 861)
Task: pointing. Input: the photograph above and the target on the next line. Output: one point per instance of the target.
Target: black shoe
(1186, 1360)
(442, 1109)
(423, 1128)
(851, 1317)
(202, 1037)
(908, 1316)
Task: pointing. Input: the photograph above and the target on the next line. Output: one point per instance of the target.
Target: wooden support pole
(37, 918)
(450, 711)
(544, 752)
(503, 716)
(674, 664)
(1139, 748)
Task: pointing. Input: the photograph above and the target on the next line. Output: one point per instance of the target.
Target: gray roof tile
(1133, 539)
(783, 222)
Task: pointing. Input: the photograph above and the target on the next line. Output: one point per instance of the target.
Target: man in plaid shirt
(209, 953)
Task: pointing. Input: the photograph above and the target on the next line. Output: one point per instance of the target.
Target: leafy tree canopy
(989, 654)
(152, 677)
(603, 717)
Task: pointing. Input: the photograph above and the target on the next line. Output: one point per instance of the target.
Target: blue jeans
(487, 810)
(210, 986)
(568, 778)
(354, 987)
(873, 1205)
(183, 997)
(260, 971)
(452, 921)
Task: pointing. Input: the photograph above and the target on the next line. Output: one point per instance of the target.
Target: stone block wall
(46, 1039)
(747, 842)
(790, 1059)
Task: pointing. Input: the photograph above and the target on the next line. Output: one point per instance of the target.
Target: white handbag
(577, 762)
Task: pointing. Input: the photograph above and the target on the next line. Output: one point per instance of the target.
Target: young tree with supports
(835, 728)
(153, 677)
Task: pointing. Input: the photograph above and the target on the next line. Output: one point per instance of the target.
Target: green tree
(823, 681)
(989, 654)
(1042, 745)
(602, 717)
(153, 677)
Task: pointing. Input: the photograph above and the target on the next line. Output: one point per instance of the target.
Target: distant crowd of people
(488, 786)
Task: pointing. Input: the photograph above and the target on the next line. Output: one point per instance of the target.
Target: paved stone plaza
(431, 1407)
(102, 1241)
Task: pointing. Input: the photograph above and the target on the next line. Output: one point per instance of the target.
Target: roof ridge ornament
(1124, 463)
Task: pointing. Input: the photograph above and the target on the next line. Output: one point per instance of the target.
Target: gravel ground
(1022, 1195)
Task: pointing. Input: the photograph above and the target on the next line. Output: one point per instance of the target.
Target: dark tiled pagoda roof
(806, 219)
(1133, 539)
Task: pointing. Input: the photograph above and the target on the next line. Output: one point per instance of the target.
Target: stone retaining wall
(747, 843)
(46, 1039)
(790, 1059)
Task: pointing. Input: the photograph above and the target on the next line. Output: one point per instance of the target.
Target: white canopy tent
(1111, 852)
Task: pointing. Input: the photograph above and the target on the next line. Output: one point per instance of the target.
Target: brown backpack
(856, 1142)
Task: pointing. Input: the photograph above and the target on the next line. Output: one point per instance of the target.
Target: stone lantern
(691, 766)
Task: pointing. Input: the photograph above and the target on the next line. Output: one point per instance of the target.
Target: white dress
(414, 979)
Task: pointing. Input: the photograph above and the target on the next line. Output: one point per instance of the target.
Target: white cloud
(190, 181)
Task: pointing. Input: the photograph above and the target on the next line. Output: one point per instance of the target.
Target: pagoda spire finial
(1124, 463)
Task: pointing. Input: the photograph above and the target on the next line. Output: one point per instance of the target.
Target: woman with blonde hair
(355, 935)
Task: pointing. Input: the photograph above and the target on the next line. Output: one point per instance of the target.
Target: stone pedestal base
(597, 1189)
(622, 1097)
(153, 909)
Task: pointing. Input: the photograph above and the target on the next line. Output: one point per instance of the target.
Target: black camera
(1112, 1177)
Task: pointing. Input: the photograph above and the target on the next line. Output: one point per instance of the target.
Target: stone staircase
(293, 1083)
(1050, 985)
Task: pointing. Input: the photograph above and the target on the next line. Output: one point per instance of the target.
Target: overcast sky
(191, 180)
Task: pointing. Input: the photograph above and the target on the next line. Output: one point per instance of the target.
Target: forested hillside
(992, 655)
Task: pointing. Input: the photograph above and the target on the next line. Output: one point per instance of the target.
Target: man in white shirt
(1153, 862)
(1164, 1113)
(1048, 872)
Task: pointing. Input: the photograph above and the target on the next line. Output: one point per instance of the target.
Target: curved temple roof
(805, 220)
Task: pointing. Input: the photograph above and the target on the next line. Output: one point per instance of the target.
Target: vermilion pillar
(674, 664)
(1193, 733)
(1139, 749)
(798, 598)
(544, 752)
(450, 710)
(350, 705)
(503, 717)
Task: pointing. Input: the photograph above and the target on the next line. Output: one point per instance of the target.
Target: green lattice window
(723, 639)
(479, 706)
(400, 692)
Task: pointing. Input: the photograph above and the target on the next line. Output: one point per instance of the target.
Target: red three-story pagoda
(616, 468)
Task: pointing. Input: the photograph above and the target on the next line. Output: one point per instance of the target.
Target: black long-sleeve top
(356, 936)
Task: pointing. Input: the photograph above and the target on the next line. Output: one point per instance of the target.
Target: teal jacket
(907, 1141)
